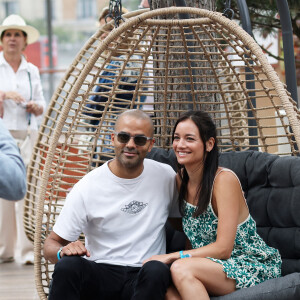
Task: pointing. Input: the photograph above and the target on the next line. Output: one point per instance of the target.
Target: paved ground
(17, 282)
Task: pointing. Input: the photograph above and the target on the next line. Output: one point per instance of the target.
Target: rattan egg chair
(199, 63)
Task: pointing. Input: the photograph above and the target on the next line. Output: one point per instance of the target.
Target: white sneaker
(29, 260)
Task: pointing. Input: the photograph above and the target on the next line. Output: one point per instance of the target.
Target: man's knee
(68, 266)
(153, 280)
(156, 270)
(66, 278)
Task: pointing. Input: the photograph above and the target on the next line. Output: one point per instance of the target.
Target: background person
(227, 253)
(122, 208)
(13, 172)
(107, 79)
(144, 4)
(23, 102)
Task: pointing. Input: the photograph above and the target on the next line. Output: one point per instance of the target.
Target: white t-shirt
(122, 219)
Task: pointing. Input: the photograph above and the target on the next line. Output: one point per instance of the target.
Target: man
(121, 207)
(13, 172)
(144, 4)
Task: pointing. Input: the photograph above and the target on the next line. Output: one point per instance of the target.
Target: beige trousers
(13, 240)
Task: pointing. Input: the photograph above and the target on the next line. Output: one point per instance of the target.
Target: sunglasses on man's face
(139, 139)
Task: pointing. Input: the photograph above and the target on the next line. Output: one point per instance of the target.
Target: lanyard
(29, 77)
(30, 84)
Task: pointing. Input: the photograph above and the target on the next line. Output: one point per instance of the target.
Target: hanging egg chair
(163, 65)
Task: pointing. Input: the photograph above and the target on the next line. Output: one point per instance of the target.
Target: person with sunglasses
(121, 207)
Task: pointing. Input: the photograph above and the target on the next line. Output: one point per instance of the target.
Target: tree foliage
(264, 15)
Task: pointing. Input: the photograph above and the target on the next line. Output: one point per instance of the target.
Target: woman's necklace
(192, 193)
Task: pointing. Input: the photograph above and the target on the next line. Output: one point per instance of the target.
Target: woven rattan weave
(200, 63)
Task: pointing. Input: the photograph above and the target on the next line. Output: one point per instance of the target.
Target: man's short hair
(136, 113)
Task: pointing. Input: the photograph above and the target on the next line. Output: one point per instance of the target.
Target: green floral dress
(252, 261)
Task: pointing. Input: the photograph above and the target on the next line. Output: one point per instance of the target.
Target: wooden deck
(17, 282)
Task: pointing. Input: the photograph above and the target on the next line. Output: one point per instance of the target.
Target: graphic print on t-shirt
(134, 207)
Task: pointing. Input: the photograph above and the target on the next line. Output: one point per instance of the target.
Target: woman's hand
(2, 98)
(164, 258)
(34, 108)
(14, 96)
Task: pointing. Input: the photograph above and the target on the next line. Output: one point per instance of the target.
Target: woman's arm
(2, 98)
(37, 105)
(228, 203)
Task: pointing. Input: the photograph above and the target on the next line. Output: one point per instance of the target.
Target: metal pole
(250, 83)
(182, 3)
(50, 52)
(288, 48)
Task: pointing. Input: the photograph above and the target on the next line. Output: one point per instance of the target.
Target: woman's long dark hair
(207, 129)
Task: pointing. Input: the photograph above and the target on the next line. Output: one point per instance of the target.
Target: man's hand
(54, 242)
(74, 248)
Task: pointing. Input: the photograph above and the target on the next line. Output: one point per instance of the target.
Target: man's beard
(130, 163)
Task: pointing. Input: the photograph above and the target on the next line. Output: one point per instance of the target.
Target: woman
(22, 101)
(227, 253)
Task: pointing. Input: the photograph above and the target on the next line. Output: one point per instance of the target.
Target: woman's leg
(172, 294)
(197, 278)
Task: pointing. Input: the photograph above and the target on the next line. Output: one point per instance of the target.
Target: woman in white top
(21, 102)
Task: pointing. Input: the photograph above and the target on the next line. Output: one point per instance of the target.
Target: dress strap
(227, 170)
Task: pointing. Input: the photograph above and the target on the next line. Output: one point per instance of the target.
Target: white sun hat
(16, 22)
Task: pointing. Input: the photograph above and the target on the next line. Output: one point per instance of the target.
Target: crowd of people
(120, 212)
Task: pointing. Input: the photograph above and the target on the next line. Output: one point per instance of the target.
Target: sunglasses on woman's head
(139, 139)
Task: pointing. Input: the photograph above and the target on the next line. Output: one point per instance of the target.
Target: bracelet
(184, 255)
(58, 253)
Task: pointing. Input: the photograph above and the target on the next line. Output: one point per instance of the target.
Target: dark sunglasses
(139, 139)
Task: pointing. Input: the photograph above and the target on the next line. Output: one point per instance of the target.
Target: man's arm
(13, 172)
(54, 242)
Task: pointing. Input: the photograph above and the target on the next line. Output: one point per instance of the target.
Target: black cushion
(272, 188)
(283, 288)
